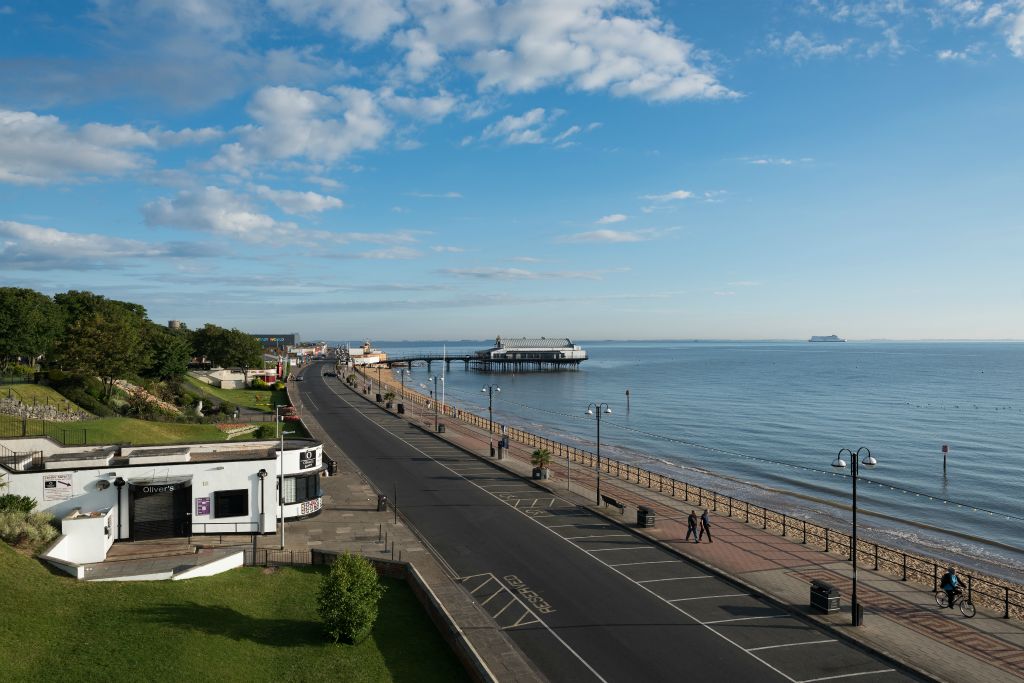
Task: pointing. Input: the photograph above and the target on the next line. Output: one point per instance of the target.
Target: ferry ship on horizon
(829, 338)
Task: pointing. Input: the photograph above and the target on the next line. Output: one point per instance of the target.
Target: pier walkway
(901, 619)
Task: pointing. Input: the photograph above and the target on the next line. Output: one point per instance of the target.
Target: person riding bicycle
(951, 584)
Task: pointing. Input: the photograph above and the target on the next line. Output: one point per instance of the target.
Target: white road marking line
(511, 601)
(516, 506)
(708, 597)
(576, 538)
(602, 550)
(832, 678)
(493, 595)
(767, 616)
(315, 406)
(559, 526)
(677, 578)
(633, 564)
(809, 642)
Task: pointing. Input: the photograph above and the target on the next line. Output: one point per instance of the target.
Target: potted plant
(540, 459)
(388, 398)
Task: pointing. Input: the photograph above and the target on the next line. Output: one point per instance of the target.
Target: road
(583, 598)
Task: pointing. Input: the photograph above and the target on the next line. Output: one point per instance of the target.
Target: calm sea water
(759, 418)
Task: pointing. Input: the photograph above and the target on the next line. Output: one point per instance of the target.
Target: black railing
(269, 557)
(12, 427)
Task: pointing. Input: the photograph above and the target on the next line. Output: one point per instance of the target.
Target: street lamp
(596, 409)
(490, 389)
(280, 484)
(435, 395)
(855, 461)
(379, 389)
(403, 373)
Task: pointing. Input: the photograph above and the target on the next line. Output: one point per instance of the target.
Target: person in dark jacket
(950, 583)
(691, 523)
(705, 527)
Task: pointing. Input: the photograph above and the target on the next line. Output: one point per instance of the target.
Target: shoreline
(1006, 567)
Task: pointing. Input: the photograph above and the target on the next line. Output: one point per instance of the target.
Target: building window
(301, 489)
(231, 503)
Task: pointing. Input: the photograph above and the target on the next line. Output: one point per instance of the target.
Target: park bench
(608, 500)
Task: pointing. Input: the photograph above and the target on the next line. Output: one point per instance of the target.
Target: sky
(461, 169)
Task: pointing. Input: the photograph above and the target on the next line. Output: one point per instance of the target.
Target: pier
(510, 355)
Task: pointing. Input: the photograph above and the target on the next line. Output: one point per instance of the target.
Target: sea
(764, 421)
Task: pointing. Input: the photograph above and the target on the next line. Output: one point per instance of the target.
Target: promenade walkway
(901, 619)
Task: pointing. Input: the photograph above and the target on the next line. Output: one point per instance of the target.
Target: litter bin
(645, 516)
(440, 428)
(824, 596)
(401, 408)
(382, 503)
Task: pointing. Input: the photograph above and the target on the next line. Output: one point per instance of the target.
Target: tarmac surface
(582, 595)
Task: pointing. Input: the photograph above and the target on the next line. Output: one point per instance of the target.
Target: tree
(29, 324)
(348, 599)
(227, 348)
(108, 343)
(76, 304)
(171, 351)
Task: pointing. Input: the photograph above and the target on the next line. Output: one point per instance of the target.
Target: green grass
(240, 626)
(26, 393)
(264, 400)
(108, 430)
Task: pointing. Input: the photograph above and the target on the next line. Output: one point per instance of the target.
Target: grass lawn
(26, 393)
(264, 400)
(244, 625)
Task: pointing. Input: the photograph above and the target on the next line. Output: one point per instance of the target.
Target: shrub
(258, 383)
(226, 408)
(348, 598)
(541, 458)
(279, 385)
(27, 529)
(266, 432)
(12, 503)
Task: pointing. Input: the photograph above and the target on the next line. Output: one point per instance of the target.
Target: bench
(608, 500)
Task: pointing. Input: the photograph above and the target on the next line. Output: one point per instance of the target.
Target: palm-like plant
(541, 458)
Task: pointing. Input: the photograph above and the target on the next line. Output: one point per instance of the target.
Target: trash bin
(824, 596)
(645, 516)
(440, 428)
(401, 408)
(382, 503)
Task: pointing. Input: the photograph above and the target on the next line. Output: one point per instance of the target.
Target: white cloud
(36, 150)
(294, 202)
(33, 247)
(442, 249)
(801, 48)
(669, 196)
(358, 19)
(1015, 35)
(567, 133)
(519, 130)
(617, 236)
(518, 274)
(389, 254)
(777, 161)
(218, 211)
(612, 218)
(436, 195)
(431, 109)
(305, 124)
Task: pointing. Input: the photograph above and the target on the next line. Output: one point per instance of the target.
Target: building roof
(528, 343)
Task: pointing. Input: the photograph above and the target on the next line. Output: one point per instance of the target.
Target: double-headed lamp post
(435, 378)
(489, 390)
(596, 409)
(855, 462)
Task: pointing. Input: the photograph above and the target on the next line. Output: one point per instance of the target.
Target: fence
(992, 593)
(268, 557)
(12, 426)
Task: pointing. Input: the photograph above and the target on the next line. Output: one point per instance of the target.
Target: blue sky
(431, 169)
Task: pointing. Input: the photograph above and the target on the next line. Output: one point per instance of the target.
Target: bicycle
(967, 607)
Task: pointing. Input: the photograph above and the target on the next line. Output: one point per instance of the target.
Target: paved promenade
(901, 619)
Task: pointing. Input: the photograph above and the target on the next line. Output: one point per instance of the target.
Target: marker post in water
(945, 452)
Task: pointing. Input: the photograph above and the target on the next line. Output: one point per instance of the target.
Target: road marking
(511, 602)
(832, 678)
(708, 597)
(809, 642)
(576, 538)
(603, 550)
(767, 616)
(633, 564)
(675, 578)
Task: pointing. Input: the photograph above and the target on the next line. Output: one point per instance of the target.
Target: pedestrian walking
(705, 527)
(691, 523)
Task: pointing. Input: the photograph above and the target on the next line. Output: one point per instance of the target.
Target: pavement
(901, 619)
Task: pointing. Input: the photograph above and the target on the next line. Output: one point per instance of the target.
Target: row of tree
(82, 332)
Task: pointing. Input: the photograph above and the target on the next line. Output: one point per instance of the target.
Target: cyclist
(950, 583)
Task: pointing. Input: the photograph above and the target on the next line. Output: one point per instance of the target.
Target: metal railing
(995, 594)
(12, 426)
(271, 557)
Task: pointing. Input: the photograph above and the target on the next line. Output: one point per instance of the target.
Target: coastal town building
(105, 494)
(524, 351)
(277, 343)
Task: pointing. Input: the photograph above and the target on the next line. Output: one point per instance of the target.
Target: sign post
(945, 452)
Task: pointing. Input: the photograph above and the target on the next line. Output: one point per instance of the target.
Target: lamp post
(434, 379)
(596, 409)
(403, 373)
(490, 389)
(855, 461)
(280, 484)
(379, 389)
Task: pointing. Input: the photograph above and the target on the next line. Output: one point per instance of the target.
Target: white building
(103, 494)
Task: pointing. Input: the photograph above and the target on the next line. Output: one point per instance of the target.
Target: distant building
(174, 324)
(277, 343)
(524, 351)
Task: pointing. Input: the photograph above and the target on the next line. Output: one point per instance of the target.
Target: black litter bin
(440, 428)
(401, 408)
(645, 516)
(382, 503)
(824, 596)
